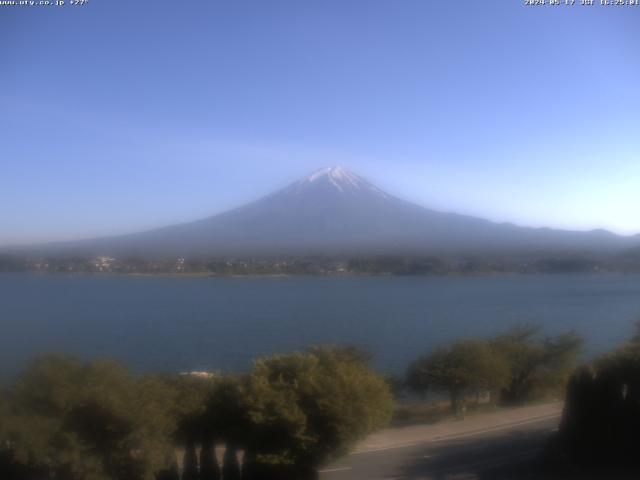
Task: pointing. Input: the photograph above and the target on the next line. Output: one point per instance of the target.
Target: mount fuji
(335, 211)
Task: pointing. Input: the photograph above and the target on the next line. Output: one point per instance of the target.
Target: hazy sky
(122, 115)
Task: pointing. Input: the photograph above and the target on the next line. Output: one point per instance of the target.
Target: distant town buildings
(103, 264)
(316, 265)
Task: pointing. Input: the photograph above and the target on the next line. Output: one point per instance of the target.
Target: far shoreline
(187, 275)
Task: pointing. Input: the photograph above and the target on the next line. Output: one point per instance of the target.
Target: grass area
(426, 413)
(421, 413)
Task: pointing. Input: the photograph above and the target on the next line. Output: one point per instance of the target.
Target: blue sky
(123, 115)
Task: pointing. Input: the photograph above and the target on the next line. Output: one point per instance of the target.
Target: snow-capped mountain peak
(341, 179)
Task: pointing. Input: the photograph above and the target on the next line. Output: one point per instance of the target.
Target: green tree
(184, 406)
(464, 368)
(537, 364)
(301, 409)
(86, 421)
(187, 396)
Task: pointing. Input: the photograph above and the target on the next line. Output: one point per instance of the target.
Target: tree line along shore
(445, 264)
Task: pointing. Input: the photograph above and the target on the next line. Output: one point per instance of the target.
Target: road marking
(329, 470)
(392, 447)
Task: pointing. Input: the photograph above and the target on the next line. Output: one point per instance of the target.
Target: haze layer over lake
(183, 324)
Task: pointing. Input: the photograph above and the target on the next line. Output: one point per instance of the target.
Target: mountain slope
(336, 211)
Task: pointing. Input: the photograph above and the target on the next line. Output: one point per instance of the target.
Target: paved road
(486, 447)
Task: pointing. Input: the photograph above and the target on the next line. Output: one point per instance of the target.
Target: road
(493, 446)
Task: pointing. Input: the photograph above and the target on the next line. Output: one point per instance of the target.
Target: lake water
(177, 324)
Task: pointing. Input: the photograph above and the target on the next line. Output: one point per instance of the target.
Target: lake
(177, 324)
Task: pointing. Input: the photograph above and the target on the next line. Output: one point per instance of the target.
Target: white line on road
(329, 470)
(392, 447)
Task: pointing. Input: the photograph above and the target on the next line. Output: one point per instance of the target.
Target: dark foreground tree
(190, 462)
(601, 420)
(170, 472)
(230, 464)
(209, 467)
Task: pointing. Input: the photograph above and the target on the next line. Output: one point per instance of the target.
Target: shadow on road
(516, 455)
(505, 457)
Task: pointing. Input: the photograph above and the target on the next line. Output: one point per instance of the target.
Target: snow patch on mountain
(341, 179)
